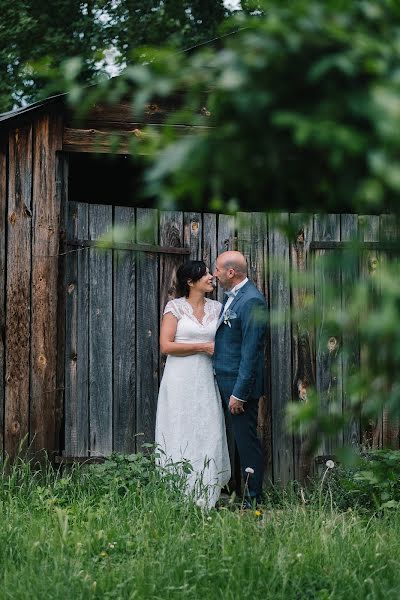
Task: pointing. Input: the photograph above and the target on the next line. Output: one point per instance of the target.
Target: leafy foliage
(37, 38)
(373, 483)
(303, 103)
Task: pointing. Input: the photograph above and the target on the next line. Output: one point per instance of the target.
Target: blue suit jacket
(239, 349)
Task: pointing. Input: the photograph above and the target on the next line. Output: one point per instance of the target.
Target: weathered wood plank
(210, 244)
(100, 334)
(370, 259)
(193, 232)
(171, 234)
(44, 283)
(243, 224)
(147, 329)
(389, 232)
(3, 209)
(265, 408)
(62, 165)
(116, 245)
(124, 114)
(114, 141)
(258, 273)
(124, 314)
(351, 344)
(281, 376)
(225, 241)
(328, 342)
(303, 333)
(76, 397)
(18, 290)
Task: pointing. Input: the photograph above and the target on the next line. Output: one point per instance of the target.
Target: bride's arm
(169, 346)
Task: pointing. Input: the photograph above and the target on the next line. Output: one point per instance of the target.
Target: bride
(190, 424)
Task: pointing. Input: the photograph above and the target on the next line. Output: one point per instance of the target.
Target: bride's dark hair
(191, 270)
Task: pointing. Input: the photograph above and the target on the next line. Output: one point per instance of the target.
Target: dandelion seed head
(201, 503)
(330, 464)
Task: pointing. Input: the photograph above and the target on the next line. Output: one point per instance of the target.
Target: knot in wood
(152, 108)
(71, 288)
(194, 226)
(373, 264)
(300, 237)
(332, 344)
(12, 218)
(302, 390)
(15, 427)
(149, 334)
(42, 361)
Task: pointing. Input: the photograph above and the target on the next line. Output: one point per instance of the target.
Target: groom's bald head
(230, 268)
(234, 260)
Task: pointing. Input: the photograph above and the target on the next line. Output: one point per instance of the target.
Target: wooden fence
(115, 298)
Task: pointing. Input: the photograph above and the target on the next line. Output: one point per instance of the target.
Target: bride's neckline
(192, 310)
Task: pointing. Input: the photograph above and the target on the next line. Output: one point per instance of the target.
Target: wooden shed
(79, 353)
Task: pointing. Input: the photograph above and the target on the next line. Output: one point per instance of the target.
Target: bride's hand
(209, 348)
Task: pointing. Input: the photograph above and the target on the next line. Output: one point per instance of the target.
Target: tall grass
(104, 532)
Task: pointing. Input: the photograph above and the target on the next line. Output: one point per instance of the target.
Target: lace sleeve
(173, 307)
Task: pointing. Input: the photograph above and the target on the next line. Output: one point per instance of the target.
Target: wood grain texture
(281, 375)
(44, 284)
(3, 211)
(147, 329)
(100, 334)
(389, 232)
(303, 355)
(18, 290)
(171, 234)
(124, 114)
(243, 223)
(350, 343)
(328, 341)
(62, 169)
(209, 254)
(225, 241)
(265, 407)
(76, 397)
(193, 232)
(372, 430)
(115, 140)
(124, 334)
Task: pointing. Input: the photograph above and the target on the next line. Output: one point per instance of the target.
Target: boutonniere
(229, 315)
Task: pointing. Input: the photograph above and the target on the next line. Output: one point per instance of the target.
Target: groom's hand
(235, 406)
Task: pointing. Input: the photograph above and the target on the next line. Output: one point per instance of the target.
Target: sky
(233, 4)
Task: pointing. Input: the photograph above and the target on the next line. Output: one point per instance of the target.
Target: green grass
(114, 532)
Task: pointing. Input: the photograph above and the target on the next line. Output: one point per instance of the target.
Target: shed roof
(14, 114)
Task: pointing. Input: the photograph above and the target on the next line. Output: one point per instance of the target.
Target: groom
(239, 361)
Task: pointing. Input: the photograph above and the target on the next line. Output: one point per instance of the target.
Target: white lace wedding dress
(190, 422)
